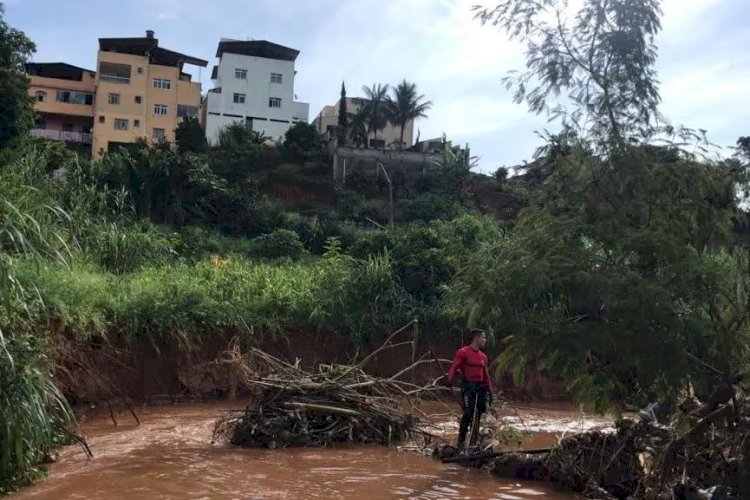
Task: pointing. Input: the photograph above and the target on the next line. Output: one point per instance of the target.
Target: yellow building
(141, 91)
(64, 102)
(328, 119)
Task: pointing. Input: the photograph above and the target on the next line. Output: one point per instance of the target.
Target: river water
(170, 455)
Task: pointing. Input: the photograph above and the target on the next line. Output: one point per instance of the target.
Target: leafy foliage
(406, 105)
(190, 136)
(600, 57)
(16, 108)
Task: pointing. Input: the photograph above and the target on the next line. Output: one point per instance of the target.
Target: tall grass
(34, 415)
(188, 301)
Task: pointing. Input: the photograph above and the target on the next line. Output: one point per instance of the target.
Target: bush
(280, 243)
(429, 206)
(122, 248)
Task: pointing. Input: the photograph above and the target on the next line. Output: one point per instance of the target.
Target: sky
(458, 64)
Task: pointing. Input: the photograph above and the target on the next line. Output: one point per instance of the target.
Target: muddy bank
(170, 456)
(98, 371)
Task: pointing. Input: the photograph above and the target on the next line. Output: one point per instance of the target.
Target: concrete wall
(221, 109)
(346, 160)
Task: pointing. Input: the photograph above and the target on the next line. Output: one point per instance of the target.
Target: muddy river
(170, 455)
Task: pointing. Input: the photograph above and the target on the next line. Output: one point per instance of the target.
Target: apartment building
(328, 119)
(64, 102)
(254, 85)
(141, 91)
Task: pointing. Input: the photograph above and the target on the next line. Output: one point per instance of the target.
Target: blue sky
(704, 62)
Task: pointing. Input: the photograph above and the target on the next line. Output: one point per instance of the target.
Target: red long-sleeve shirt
(473, 366)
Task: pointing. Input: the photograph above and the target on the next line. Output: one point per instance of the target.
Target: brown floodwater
(170, 455)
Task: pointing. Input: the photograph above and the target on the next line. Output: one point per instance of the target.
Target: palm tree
(405, 105)
(358, 125)
(375, 107)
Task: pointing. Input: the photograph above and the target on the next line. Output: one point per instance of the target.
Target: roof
(60, 70)
(145, 45)
(257, 48)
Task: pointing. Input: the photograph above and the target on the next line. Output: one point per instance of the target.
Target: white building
(254, 85)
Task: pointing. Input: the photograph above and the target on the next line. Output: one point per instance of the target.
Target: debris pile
(703, 454)
(293, 407)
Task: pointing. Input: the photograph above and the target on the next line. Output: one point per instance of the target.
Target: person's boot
(461, 440)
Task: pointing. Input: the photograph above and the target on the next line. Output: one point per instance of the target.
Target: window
(101, 119)
(114, 73)
(41, 96)
(184, 110)
(239, 98)
(160, 109)
(75, 97)
(121, 124)
(377, 143)
(68, 127)
(139, 70)
(159, 134)
(162, 83)
(136, 123)
(138, 99)
(274, 102)
(275, 77)
(114, 99)
(240, 73)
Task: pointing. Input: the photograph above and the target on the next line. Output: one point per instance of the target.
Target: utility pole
(390, 195)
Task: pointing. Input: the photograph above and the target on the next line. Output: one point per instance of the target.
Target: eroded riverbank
(170, 455)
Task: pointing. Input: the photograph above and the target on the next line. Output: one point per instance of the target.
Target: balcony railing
(59, 135)
(124, 80)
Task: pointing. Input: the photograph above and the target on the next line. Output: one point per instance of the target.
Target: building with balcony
(328, 119)
(142, 91)
(63, 102)
(253, 85)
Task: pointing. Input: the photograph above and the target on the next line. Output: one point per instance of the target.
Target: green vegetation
(626, 273)
(15, 105)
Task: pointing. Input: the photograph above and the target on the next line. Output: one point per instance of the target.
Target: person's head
(478, 338)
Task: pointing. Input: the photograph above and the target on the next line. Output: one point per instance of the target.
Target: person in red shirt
(476, 385)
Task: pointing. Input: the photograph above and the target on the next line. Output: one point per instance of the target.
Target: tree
(358, 125)
(614, 278)
(602, 58)
(16, 107)
(375, 107)
(405, 105)
(302, 143)
(190, 137)
(343, 125)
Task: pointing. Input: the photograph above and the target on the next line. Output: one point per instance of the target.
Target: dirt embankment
(93, 372)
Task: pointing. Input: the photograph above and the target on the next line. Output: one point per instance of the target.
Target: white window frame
(240, 73)
(113, 99)
(121, 120)
(277, 78)
(162, 83)
(239, 98)
(159, 137)
(41, 96)
(161, 110)
(274, 102)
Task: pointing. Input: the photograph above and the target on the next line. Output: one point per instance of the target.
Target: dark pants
(474, 396)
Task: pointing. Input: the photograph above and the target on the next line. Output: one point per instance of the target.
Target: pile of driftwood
(702, 453)
(291, 406)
